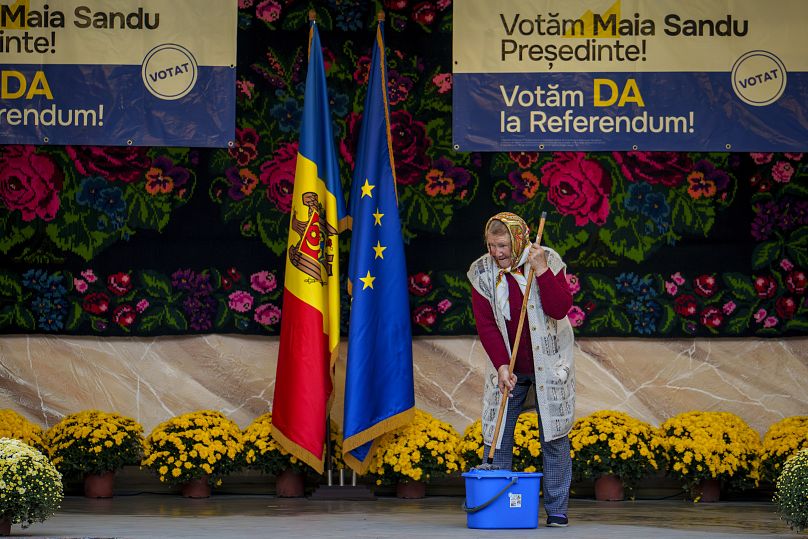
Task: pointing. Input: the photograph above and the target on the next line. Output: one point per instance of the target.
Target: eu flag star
(379, 249)
(367, 188)
(367, 280)
(378, 216)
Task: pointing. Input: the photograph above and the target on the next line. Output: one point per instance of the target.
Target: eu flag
(379, 394)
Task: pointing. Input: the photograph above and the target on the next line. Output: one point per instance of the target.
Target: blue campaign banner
(123, 73)
(92, 114)
(589, 75)
(623, 111)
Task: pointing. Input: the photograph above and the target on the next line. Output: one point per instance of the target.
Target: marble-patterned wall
(152, 379)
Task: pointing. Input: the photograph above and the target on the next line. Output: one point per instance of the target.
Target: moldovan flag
(311, 297)
(379, 394)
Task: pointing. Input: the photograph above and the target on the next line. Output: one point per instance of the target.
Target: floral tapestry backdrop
(151, 241)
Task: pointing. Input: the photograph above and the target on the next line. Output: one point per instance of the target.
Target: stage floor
(164, 515)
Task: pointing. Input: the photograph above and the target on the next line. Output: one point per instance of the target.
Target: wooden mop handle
(522, 312)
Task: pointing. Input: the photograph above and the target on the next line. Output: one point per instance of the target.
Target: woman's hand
(506, 382)
(537, 258)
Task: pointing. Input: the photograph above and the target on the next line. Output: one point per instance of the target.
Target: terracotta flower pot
(196, 488)
(410, 489)
(5, 527)
(290, 484)
(708, 491)
(609, 488)
(99, 485)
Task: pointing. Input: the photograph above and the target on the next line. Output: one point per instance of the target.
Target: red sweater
(556, 301)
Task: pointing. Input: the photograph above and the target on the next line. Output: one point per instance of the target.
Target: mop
(489, 464)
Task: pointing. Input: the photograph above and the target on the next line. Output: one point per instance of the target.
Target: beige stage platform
(235, 516)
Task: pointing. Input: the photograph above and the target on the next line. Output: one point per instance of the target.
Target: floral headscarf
(517, 230)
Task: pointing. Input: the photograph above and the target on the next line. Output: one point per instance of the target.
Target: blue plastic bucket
(502, 499)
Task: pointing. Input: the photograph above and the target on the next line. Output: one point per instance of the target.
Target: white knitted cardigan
(552, 342)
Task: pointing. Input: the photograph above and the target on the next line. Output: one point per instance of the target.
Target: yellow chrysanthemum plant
(710, 445)
(30, 485)
(526, 445)
(424, 449)
(199, 444)
(14, 425)
(612, 442)
(262, 452)
(94, 442)
(791, 495)
(783, 439)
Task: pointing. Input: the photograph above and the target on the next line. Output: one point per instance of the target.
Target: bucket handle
(489, 502)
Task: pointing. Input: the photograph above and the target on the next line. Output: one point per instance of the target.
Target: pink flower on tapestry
(685, 305)
(263, 282)
(797, 282)
(668, 168)
(119, 283)
(576, 316)
(574, 283)
(142, 305)
(760, 315)
(268, 11)
(424, 13)
(761, 158)
(671, 288)
(705, 285)
(80, 285)
(770, 322)
(420, 284)
(712, 317)
(245, 88)
(29, 183)
(425, 315)
(279, 176)
(89, 275)
(578, 187)
(765, 286)
(124, 315)
(96, 303)
(782, 171)
(785, 307)
(729, 307)
(240, 301)
(115, 163)
(444, 305)
(443, 81)
(267, 314)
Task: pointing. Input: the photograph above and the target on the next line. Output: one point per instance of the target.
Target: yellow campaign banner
(593, 75)
(124, 72)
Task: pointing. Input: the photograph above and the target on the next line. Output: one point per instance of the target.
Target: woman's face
(499, 247)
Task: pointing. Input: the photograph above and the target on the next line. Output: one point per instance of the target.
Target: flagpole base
(334, 492)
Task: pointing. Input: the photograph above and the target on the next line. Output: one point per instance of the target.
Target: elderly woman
(544, 359)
